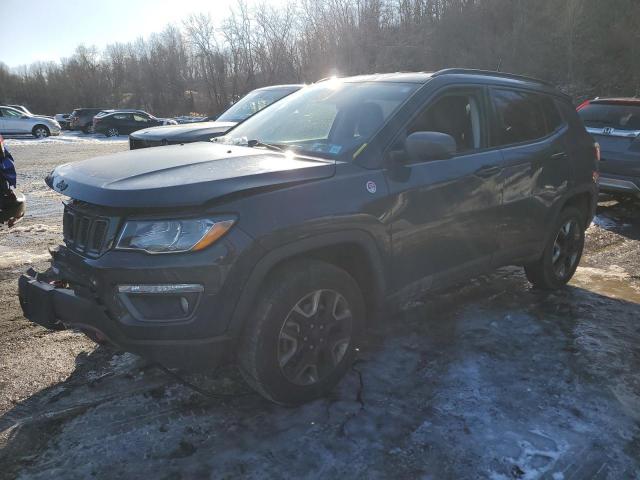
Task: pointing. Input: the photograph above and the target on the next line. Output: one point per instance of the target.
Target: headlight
(171, 236)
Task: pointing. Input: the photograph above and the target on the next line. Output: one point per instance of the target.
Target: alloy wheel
(41, 132)
(314, 337)
(113, 132)
(566, 248)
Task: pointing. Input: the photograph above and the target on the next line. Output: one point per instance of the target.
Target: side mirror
(428, 146)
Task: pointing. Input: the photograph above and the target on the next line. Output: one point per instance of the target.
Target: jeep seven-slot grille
(84, 233)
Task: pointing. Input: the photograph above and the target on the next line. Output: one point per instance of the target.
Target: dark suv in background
(122, 122)
(248, 105)
(615, 125)
(82, 119)
(277, 244)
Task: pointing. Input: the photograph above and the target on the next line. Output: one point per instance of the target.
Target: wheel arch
(354, 251)
(33, 130)
(585, 201)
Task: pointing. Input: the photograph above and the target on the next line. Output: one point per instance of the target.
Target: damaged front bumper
(176, 315)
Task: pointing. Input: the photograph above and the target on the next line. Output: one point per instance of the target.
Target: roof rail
(492, 73)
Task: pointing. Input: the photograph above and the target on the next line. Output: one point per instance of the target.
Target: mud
(490, 379)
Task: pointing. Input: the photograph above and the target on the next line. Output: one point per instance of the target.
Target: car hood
(181, 175)
(184, 131)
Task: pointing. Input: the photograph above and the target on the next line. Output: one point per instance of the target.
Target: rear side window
(519, 117)
(618, 116)
(522, 117)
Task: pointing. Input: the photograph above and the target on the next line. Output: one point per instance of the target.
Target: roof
(292, 86)
(424, 77)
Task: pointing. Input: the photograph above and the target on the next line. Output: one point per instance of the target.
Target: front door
(444, 212)
(12, 121)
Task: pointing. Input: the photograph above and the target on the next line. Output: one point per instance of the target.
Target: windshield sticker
(359, 150)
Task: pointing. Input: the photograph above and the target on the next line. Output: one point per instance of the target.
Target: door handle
(559, 156)
(487, 171)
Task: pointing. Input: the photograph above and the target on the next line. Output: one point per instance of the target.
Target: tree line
(586, 47)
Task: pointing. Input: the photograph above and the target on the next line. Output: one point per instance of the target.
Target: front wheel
(301, 337)
(41, 131)
(562, 253)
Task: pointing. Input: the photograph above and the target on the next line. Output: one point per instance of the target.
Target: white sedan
(13, 122)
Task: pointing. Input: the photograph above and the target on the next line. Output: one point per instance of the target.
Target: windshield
(329, 119)
(253, 102)
(618, 116)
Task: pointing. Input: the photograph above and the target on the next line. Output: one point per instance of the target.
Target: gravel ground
(488, 380)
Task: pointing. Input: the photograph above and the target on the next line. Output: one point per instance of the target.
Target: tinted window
(520, 117)
(618, 116)
(140, 118)
(122, 116)
(456, 114)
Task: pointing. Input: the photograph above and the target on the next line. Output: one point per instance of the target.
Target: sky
(53, 29)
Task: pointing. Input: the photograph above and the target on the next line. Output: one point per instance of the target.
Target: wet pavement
(491, 379)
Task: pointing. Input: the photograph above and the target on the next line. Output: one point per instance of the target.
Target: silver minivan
(14, 121)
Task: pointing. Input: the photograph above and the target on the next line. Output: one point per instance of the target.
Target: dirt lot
(488, 380)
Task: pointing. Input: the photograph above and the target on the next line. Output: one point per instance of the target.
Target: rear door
(443, 219)
(530, 132)
(615, 125)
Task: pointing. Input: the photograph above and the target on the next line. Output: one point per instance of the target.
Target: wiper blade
(270, 146)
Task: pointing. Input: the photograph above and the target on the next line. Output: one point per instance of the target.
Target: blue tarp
(7, 169)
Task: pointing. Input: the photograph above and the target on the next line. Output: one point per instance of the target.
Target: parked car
(121, 122)
(82, 119)
(615, 124)
(276, 244)
(14, 121)
(251, 103)
(63, 120)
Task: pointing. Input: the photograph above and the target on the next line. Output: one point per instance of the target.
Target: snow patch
(64, 138)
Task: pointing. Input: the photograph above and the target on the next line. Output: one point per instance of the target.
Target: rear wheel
(301, 337)
(562, 253)
(40, 131)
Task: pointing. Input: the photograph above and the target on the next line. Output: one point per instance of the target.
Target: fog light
(184, 304)
(161, 302)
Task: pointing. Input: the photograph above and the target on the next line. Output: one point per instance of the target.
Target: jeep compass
(277, 244)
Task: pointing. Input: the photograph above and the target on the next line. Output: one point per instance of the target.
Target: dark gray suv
(277, 244)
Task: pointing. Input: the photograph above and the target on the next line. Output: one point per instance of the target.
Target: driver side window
(456, 114)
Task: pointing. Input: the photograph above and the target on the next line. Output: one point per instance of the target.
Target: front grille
(84, 233)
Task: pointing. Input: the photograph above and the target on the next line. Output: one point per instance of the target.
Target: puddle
(613, 282)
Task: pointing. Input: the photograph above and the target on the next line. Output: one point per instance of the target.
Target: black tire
(40, 131)
(562, 253)
(87, 128)
(261, 354)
